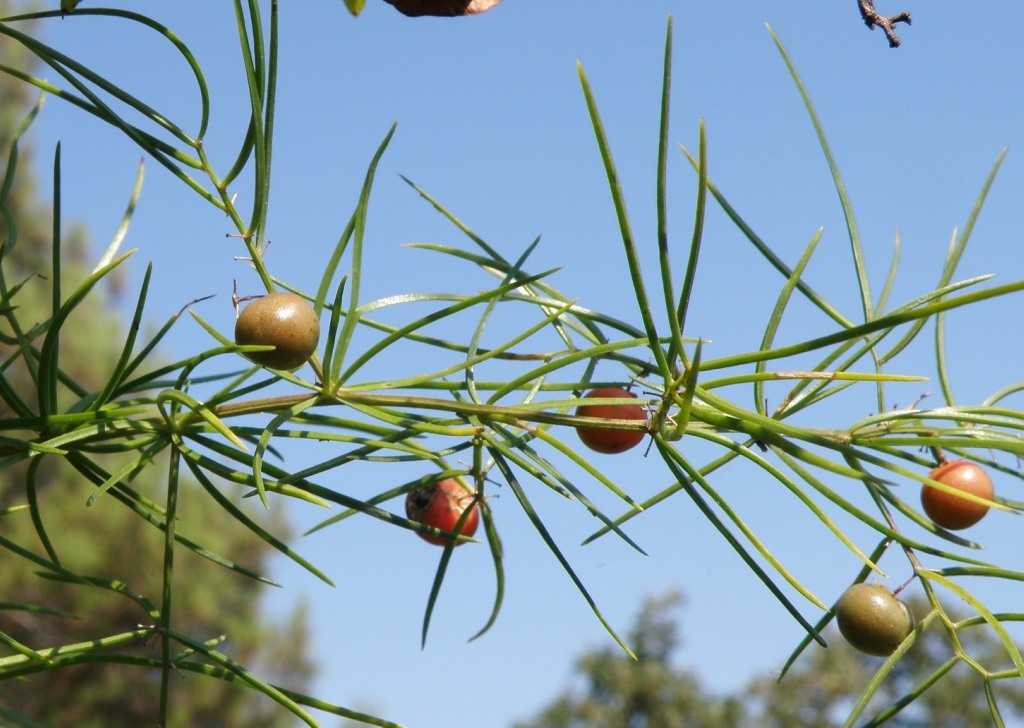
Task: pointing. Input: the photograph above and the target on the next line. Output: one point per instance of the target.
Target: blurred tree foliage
(105, 540)
(618, 692)
(613, 691)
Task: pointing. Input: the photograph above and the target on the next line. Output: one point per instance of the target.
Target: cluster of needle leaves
(455, 421)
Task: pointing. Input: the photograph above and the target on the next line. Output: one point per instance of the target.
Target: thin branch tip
(873, 18)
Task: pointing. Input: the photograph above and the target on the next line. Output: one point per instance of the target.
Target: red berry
(441, 505)
(946, 509)
(607, 440)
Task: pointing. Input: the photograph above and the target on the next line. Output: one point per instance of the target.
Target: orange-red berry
(946, 509)
(606, 439)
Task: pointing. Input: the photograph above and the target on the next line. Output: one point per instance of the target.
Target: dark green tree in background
(650, 692)
(104, 540)
(613, 691)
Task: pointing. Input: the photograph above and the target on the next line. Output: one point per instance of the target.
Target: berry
(283, 320)
(872, 619)
(441, 505)
(607, 440)
(946, 509)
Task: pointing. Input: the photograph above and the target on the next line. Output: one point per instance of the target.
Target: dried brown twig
(872, 18)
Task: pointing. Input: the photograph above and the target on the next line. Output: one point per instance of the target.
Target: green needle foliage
(170, 444)
(70, 570)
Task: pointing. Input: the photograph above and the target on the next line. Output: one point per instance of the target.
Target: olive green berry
(283, 320)
(872, 619)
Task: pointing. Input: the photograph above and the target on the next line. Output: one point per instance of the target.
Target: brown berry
(283, 320)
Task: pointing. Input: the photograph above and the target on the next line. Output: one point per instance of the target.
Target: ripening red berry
(441, 505)
(946, 509)
(605, 439)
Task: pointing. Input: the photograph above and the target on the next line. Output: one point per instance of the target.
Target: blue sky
(491, 121)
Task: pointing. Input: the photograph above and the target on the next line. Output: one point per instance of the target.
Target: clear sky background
(492, 122)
